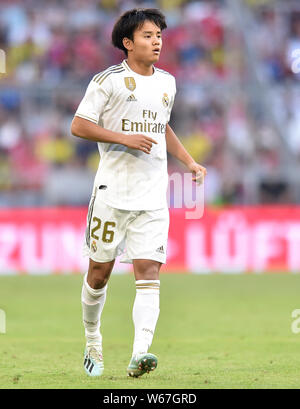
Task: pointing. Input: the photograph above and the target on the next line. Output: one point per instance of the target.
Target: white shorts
(133, 234)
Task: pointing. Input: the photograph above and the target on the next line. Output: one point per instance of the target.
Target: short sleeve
(94, 101)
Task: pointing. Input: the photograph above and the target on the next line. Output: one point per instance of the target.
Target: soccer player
(126, 109)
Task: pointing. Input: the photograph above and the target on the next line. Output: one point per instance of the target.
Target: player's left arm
(176, 149)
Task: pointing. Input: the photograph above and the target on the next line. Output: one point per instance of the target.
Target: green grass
(214, 331)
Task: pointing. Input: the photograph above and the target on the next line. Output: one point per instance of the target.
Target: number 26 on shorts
(107, 234)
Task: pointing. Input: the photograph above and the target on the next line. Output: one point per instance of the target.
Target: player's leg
(146, 245)
(104, 236)
(145, 315)
(146, 304)
(93, 298)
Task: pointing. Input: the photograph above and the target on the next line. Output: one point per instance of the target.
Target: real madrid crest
(130, 83)
(94, 246)
(165, 100)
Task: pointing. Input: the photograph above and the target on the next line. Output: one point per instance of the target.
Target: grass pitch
(217, 331)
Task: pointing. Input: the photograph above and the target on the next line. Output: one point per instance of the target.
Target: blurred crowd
(53, 49)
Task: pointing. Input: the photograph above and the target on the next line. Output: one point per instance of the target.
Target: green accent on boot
(140, 364)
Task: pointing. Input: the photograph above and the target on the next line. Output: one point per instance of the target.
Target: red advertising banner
(236, 240)
(224, 240)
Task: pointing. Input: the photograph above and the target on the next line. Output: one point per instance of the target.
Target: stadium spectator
(54, 48)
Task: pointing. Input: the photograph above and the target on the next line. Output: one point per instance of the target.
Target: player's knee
(151, 274)
(97, 282)
(98, 274)
(148, 271)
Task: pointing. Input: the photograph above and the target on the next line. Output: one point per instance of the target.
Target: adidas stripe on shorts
(111, 232)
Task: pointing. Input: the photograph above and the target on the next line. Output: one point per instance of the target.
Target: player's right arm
(86, 129)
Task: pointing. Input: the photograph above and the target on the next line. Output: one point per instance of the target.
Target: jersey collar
(126, 66)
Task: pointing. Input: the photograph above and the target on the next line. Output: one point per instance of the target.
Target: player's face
(147, 43)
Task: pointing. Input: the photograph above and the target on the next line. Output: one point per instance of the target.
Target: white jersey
(123, 101)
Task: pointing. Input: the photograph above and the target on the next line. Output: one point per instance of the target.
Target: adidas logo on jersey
(161, 250)
(131, 98)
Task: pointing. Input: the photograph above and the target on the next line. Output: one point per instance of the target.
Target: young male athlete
(126, 109)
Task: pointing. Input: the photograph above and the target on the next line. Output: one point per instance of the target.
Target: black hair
(133, 19)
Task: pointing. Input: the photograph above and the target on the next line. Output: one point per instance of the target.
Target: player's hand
(140, 142)
(199, 172)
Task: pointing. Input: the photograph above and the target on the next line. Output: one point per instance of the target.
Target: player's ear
(127, 43)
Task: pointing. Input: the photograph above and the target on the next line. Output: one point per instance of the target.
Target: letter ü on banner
(2, 322)
(2, 62)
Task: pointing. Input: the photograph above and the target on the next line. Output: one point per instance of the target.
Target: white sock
(92, 305)
(145, 314)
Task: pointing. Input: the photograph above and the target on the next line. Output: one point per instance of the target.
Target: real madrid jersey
(123, 101)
